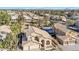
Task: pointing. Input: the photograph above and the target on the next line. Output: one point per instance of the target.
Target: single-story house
(66, 40)
(77, 23)
(14, 17)
(63, 18)
(61, 29)
(27, 18)
(75, 26)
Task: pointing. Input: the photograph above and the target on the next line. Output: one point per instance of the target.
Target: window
(66, 42)
(47, 42)
(42, 43)
(37, 39)
(27, 26)
(75, 41)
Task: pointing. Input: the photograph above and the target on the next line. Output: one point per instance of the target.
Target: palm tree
(20, 19)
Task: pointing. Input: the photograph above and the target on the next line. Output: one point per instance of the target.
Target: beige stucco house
(63, 30)
(65, 36)
(39, 36)
(66, 40)
(31, 46)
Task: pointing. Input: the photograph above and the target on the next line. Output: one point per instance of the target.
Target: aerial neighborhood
(39, 30)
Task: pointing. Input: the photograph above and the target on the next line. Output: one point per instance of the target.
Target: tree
(8, 42)
(15, 27)
(70, 22)
(4, 18)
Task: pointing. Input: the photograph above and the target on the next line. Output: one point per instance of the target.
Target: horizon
(39, 8)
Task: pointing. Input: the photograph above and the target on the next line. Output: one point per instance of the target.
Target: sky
(39, 3)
